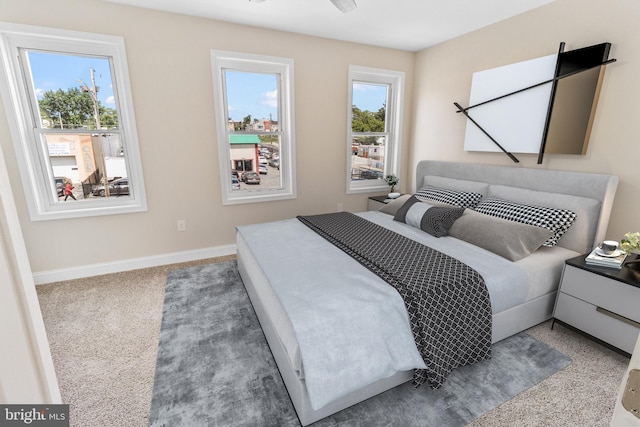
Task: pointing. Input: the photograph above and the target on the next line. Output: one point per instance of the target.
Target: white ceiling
(409, 25)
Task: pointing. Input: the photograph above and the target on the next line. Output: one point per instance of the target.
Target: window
(254, 103)
(68, 100)
(374, 134)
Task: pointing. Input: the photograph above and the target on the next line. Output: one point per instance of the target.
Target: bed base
(505, 324)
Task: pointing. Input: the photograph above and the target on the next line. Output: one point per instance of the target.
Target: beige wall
(169, 67)
(443, 75)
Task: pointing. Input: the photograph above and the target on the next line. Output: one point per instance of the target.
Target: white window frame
(394, 110)
(33, 161)
(222, 60)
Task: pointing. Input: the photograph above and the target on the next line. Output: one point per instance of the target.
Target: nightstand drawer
(585, 317)
(610, 294)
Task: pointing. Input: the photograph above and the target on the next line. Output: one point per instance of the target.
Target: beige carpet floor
(104, 333)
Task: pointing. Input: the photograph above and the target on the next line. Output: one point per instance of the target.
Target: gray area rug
(214, 368)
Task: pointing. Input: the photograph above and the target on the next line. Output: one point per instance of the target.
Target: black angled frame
(567, 64)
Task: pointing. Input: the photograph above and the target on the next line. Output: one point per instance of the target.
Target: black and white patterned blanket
(447, 301)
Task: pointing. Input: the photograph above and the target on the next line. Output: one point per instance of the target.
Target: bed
(340, 334)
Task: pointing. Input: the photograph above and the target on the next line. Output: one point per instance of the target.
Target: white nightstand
(602, 302)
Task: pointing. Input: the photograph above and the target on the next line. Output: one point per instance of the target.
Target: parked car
(369, 174)
(117, 187)
(262, 169)
(262, 160)
(235, 183)
(250, 178)
(275, 163)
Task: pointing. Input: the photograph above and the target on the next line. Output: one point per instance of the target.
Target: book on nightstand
(600, 259)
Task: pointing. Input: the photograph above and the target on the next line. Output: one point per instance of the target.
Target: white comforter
(352, 327)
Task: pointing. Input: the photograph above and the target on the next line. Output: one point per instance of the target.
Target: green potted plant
(392, 181)
(631, 242)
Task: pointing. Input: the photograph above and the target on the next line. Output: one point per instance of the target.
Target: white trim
(39, 354)
(50, 276)
(36, 178)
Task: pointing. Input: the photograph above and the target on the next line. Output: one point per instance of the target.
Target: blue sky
(256, 94)
(247, 93)
(56, 71)
(251, 93)
(369, 97)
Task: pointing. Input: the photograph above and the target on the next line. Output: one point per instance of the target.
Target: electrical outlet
(182, 225)
(340, 208)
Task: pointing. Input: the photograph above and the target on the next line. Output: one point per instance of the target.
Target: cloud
(39, 93)
(235, 113)
(363, 87)
(110, 100)
(271, 99)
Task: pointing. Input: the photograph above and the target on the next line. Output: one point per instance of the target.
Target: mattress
(283, 248)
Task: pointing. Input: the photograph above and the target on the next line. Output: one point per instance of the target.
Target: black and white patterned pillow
(463, 199)
(556, 220)
(435, 220)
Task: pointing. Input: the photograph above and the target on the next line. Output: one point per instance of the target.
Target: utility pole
(94, 98)
(93, 92)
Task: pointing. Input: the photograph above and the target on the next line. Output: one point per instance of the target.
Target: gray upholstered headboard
(589, 195)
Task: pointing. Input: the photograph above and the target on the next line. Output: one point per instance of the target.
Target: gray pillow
(509, 239)
(556, 220)
(435, 220)
(392, 207)
(580, 236)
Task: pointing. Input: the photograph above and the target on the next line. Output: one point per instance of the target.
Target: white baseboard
(43, 277)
